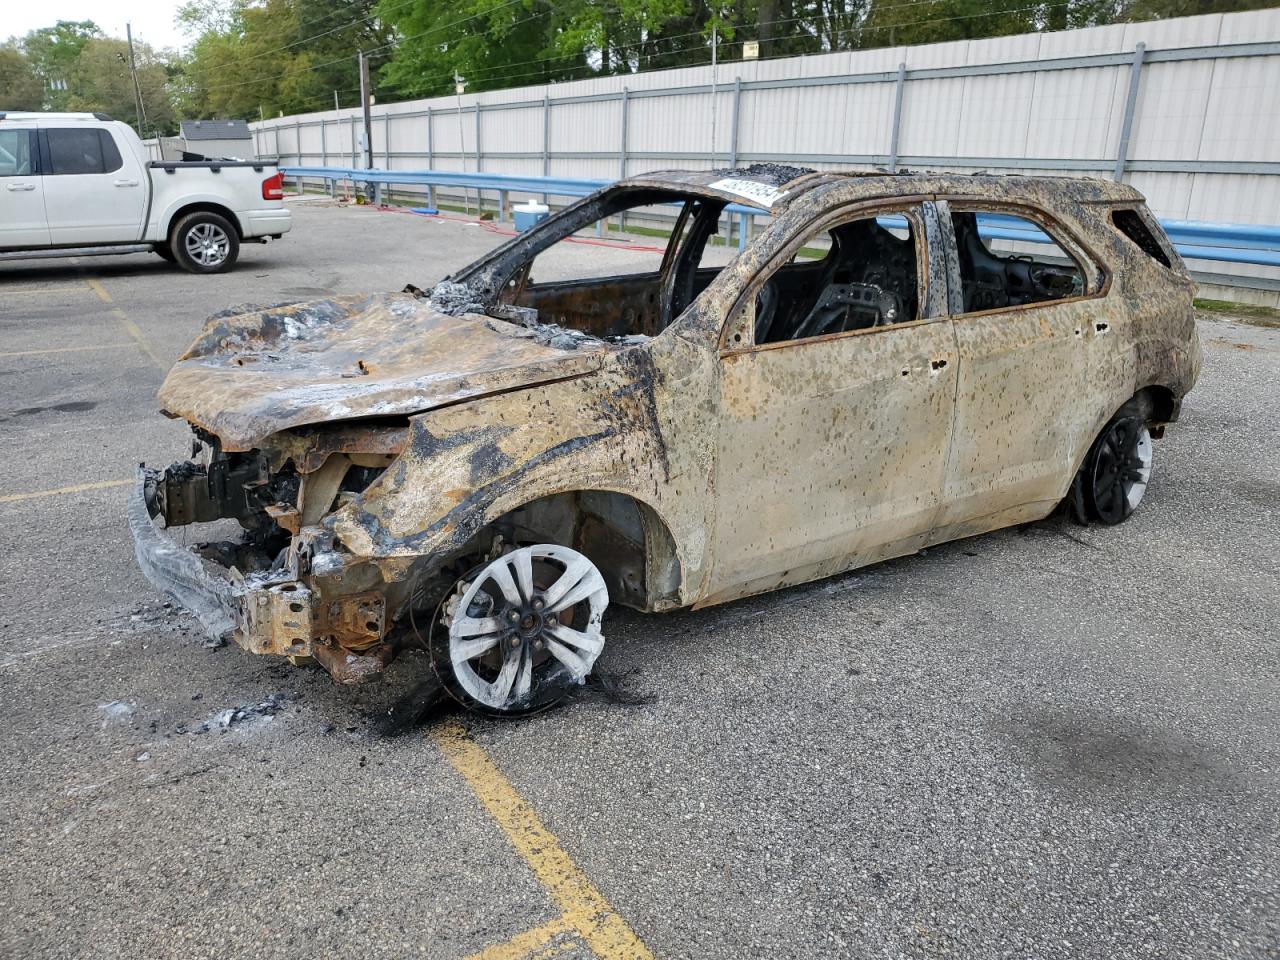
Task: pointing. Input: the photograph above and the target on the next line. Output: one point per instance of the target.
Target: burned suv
(889, 362)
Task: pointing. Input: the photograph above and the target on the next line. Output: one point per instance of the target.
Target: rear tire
(1116, 472)
(204, 242)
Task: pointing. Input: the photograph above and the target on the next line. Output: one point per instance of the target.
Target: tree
(104, 84)
(54, 53)
(20, 87)
(280, 55)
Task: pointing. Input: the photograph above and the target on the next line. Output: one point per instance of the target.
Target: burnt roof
(773, 186)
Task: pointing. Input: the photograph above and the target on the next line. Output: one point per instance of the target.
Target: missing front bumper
(266, 613)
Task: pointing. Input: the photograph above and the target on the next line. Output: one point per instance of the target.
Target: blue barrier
(1257, 244)
(502, 184)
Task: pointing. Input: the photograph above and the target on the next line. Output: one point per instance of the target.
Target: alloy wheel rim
(510, 636)
(208, 244)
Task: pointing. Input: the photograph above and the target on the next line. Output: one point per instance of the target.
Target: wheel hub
(527, 625)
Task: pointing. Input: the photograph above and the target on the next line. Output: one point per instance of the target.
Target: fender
(464, 466)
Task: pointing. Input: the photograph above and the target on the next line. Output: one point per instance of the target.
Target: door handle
(126, 183)
(15, 187)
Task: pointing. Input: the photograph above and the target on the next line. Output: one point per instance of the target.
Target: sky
(153, 20)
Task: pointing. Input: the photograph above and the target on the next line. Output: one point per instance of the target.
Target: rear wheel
(1117, 470)
(204, 242)
(520, 632)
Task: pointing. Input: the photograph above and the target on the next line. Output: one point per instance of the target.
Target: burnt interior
(990, 280)
(868, 278)
(629, 305)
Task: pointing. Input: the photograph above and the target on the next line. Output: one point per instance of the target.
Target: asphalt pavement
(1047, 742)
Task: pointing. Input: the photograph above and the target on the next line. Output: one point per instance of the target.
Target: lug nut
(551, 620)
(515, 642)
(514, 616)
(538, 603)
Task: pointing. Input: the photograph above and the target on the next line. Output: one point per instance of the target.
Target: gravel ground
(1045, 742)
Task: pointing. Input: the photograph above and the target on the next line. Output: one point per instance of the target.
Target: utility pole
(368, 122)
(459, 85)
(137, 90)
(335, 99)
(364, 106)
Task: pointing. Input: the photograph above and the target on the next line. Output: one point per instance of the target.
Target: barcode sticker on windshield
(752, 190)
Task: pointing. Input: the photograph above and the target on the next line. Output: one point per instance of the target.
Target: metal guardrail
(1257, 244)
(502, 184)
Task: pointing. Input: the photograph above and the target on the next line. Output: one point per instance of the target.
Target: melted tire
(1116, 472)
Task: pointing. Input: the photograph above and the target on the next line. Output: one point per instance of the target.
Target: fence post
(1130, 105)
(324, 155)
(546, 137)
(622, 151)
(899, 85)
(479, 195)
(733, 131)
(297, 143)
(431, 157)
(622, 135)
(384, 190)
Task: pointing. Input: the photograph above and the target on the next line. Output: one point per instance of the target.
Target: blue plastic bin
(529, 214)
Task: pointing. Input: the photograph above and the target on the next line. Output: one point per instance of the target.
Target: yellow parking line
(586, 912)
(59, 491)
(523, 945)
(130, 327)
(95, 346)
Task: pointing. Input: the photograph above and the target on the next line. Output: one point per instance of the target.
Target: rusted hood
(254, 371)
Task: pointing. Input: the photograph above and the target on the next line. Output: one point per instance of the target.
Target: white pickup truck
(77, 184)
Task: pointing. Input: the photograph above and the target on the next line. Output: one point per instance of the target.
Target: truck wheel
(204, 242)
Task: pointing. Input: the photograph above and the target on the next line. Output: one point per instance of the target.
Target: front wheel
(204, 242)
(1117, 470)
(521, 631)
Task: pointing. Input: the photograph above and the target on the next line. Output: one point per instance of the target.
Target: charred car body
(884, 367)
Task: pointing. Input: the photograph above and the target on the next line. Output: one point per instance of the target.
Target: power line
(337, 29)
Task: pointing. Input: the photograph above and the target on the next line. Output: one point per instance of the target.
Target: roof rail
(101, 116)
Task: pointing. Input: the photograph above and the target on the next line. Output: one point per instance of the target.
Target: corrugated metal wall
(1204, 138)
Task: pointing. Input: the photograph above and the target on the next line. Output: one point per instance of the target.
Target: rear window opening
(1008, 261)
(1133, 226)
